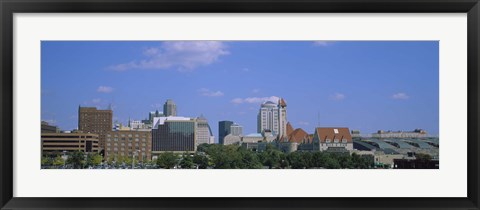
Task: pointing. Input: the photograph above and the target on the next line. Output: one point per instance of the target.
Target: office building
(169, 108)
(91, 120)
(174, 134)
(129, 143)
(273, 117)
(236, 129)
(203, 131)
(58, 143)
(46, 128)
(223, 130)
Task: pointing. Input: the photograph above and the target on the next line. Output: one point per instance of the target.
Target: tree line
(217, 156)
(237, 157)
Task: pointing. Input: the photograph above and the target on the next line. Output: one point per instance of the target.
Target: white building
(204, 133)
(236, 130)
(231, 139)
(273, 117)
(136, 124)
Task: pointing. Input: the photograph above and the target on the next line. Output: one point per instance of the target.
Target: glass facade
(174, 136)
(223, 130)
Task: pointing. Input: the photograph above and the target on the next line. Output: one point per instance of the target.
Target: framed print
(239, 105)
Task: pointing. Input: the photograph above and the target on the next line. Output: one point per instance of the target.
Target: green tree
(187, 161)
(201, 161)
(94, 159)
(119, 161)
(249, 159)
(296, 160)
(58, 161)
(332, 163)
(272, 157)
(423, 156)
(110, 160)
(46, 161)
(76, 159)
(167, 160)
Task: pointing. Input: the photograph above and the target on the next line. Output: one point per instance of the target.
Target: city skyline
(366, 86)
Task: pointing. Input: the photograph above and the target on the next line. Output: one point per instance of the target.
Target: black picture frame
(10, 7)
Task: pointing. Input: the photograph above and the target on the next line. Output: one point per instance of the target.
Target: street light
(64, 157)
(133, 158)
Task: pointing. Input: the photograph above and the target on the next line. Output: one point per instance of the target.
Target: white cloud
(338, 96)
(210, 93)
(256, 90)
(254, 100)
(322, 43)
(183, 55)
(104, 89)
(400, 96)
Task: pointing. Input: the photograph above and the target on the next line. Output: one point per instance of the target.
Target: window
(336, 140)
(344, 140)
(328, 140)
(335, 131)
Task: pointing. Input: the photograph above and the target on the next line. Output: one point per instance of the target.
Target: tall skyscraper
(95, 121)
(169, 108)
(204, 133)
(223, 130)
(273, 116)
(236, 129)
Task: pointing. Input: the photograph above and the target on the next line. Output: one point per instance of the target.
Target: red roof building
(332, 137)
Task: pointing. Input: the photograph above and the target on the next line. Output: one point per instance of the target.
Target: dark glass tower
(223, 130)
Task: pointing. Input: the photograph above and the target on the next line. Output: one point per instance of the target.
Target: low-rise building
(332, 139)
(417, 133)
(58, 143)
(47, 128)
(231, 139)
(129, 143)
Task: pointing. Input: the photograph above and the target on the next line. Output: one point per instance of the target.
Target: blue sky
(366, 86)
